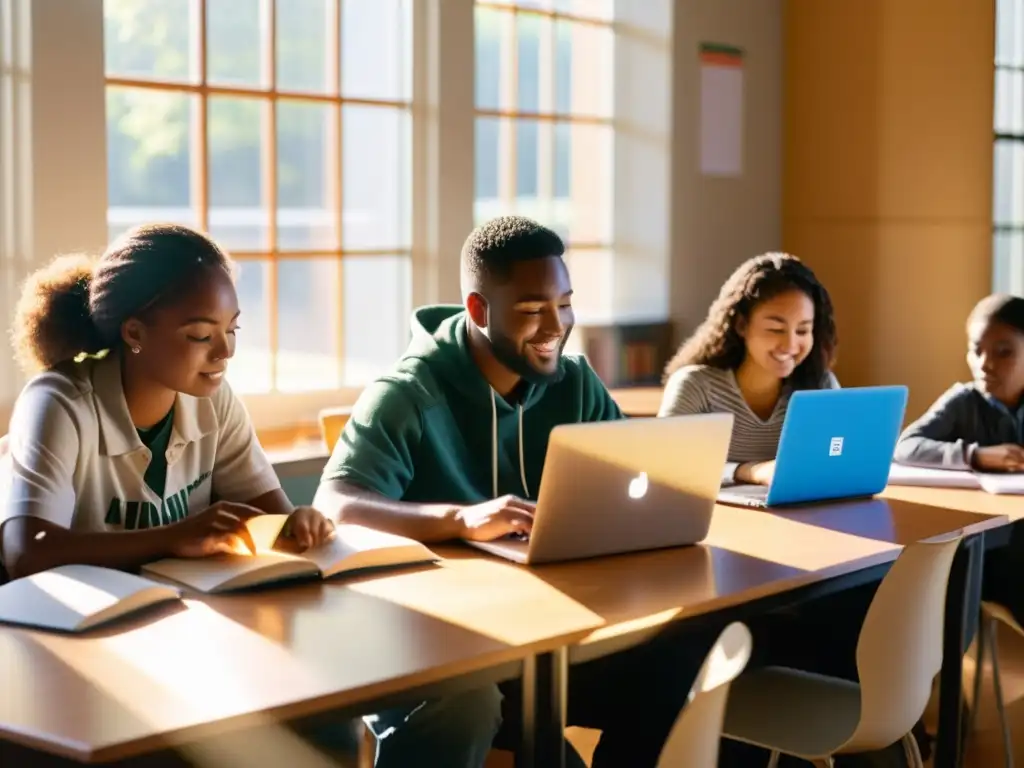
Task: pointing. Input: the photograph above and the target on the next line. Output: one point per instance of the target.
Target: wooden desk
(241, 661)
(250, 660)
(638, 401)
(966, 499)
(752, 561)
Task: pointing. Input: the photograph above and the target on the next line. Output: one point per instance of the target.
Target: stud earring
(136, 350)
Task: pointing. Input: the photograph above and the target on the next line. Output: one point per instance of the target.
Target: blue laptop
(835, 444)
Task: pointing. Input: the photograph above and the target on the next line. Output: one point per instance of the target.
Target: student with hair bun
(128, 445)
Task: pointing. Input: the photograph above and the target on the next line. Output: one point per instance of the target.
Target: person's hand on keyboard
(755, 473)
(496, 519)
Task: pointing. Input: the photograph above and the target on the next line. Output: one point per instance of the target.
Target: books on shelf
(352, 548)
(1003, 484)
(75, 598)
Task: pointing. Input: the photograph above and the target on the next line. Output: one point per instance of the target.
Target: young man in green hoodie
(451, 444)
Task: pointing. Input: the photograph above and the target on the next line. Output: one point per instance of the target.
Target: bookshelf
(628, 354)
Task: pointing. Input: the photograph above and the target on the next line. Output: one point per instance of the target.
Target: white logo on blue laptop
(835, 447)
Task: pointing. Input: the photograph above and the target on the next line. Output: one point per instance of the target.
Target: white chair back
(694, 738)
(899, 651)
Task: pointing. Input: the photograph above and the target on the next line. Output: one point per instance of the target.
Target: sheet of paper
(721, 110)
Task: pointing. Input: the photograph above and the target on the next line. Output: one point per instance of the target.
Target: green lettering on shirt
(136, 515)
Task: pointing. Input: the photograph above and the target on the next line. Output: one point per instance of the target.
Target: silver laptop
(623, 486)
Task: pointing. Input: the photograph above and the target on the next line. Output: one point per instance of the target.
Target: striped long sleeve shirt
(703, 389)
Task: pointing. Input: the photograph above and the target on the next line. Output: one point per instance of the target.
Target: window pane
(1009, 101)
(1008, 183)
(1009, 33)
(376, 49)
(376, 164)
(249, 370)
(149, 156)
(302, 33)
(307, 324)
(235, 32)
(150, 38)
(234, 129)
(583, 182)
(306, 220)
(592, 273)
(1008, 272)
(487, 168)
(377, 304)
(563, 68)
(526, 158)
(491, 56)
(563, 160)
(590, 50)
(528, 36)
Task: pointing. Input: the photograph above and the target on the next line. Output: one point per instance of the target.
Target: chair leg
(997, 684)
(912, 752)
(979, 672)
(367, 748)
(773, 761)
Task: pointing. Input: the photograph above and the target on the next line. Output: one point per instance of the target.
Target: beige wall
(719, 222)
(888, 177)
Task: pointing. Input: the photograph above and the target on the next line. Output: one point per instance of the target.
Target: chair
(695, 736)
(332, 421)
(992, 615)
(899, 653)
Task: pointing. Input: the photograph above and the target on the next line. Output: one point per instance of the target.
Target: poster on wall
(721, 110)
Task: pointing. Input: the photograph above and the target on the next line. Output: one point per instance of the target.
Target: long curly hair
(717, 342)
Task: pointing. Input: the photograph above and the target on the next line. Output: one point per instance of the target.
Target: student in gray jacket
(979, 425)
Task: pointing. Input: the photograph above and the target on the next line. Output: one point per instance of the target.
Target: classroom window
(1008, 154)
(544, 130)
(282, 128)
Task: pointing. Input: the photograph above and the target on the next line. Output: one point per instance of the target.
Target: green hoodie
(433, 430)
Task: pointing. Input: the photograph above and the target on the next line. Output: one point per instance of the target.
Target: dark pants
(818, 636)
(633, 698)
(1004, 569)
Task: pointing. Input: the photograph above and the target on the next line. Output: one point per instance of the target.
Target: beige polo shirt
(75, 458)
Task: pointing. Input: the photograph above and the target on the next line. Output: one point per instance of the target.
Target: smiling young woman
(128, 445)
(771, 331)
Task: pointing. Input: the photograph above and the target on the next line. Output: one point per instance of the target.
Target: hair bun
(52, 321)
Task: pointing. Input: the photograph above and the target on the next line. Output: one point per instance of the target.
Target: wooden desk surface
(246, 660)
(748, 554)
(964, 499)
(638, 401)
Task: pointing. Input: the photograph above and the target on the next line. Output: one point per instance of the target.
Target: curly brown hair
(77, 304)
(718, 344)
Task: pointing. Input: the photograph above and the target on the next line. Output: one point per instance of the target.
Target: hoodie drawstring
(494, 448)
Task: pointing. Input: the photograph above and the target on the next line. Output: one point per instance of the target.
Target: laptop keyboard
(747, 491)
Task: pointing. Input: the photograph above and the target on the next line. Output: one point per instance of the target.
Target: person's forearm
(30, 546)
(344, 502)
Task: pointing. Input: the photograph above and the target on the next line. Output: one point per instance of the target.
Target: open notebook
(1009, 484)
(352, 548)
(74, 598)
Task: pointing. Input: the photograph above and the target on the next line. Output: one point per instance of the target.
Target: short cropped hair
(493, 248)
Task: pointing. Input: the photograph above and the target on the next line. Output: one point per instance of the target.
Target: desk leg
(963, 593)
(545, 690)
